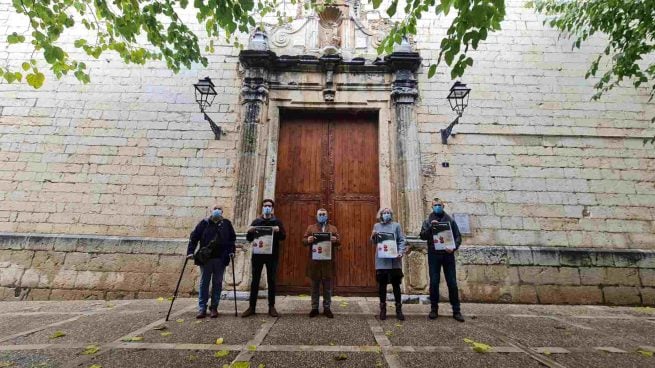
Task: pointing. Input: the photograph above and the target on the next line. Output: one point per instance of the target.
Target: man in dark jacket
(442, 258)
(215, 232)
(270, 260)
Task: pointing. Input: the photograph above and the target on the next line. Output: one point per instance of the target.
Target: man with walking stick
(217, 245)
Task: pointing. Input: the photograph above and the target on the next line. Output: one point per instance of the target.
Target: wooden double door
(328, 160)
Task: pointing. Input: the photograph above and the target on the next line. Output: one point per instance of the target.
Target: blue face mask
(322, 218)
(438, 209)
(386, 217)
(267, 210)
(217, 213)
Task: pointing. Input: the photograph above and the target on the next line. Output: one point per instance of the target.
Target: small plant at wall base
(630, 29)
(140, 31)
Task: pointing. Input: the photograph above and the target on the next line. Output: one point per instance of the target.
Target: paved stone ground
(133, 333)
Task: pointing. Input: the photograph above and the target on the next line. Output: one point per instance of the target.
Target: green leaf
(15, 38)
(25, 66)
(341, 357)
(90, 350)
(376, 3)
(432, 70)
(221, 353)
(56, 334)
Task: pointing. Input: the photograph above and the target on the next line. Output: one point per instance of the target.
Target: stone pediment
(341, 28)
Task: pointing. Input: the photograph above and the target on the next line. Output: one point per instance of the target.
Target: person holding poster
(389, 240)
(321, 238)
(442, 235)
(264, 235)
(216, 238)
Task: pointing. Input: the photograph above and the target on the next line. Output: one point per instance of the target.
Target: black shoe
(213, 312)
(383, 311)
(201, 314)
(458, 317)
(249, 312)
(272, 312)
(399, 312)
(328, 313)
(434, 313)
(313, 313)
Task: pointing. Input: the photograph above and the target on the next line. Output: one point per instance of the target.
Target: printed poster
(387, 246)
(442, 236)
(322, 247)
(263, 242)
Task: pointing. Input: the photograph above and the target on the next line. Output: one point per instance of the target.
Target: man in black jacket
(270, 260)
(442, 258)
(215, 232)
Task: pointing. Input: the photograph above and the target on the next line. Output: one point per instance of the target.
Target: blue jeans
(435, 263)
(212, 271)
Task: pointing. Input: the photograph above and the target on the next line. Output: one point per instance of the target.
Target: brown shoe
(213, 313)
(201, 315)
(272, 312)
(328, 313)
(313, 313)
(249, 312)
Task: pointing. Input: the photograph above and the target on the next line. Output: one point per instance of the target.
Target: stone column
(257, 61)
(408, 155)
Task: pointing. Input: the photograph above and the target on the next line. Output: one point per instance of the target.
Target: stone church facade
(100, 184)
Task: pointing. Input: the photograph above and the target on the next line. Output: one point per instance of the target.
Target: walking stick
(186, 259)
(234, 283)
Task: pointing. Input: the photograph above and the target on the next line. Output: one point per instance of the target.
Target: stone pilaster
(408, 157)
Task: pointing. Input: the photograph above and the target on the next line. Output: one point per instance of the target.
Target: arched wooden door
(328, 159)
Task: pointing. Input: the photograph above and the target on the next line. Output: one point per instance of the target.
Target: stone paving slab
(22, 322)
(318, 360)
(604, 360)
(444, 331)
(206, 331)
(48, 358)
(99, 328)
(300, 329)
(160, 358)
(467, 360)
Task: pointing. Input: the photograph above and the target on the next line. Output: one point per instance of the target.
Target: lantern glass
(205, 93)
(458, 97)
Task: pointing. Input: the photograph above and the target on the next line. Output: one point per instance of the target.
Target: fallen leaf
(645, 353)
(645, 309)
(546, 352)
(109, 305)
(159, 328)
(192, 358)
(478, 347)
(179, 320)
(160, 299)
(221, 353)
(57, 334)
(132, 339)
(90, 350)
(399, 325)
(331, 343)
(343, 304)
(303, 296)
(378, 363)
(6, 364)
(170, 298)
(252, 347)
(389, 333)
(198, 322)
(96, 366)
(261, 365)
(166, 333)
(240, 365)
(219, 341)
(341, 357)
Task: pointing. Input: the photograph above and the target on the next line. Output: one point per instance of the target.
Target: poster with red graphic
(387, 246)
(263, 242)
(442, 236)
(322, 247)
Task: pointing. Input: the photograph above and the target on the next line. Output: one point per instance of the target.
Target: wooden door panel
(303, 144)
(354, 145)
(356, 259)
(294, 255)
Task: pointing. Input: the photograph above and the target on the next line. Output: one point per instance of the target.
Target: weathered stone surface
(621, 276)
(545, 257)
(517, 255)
(555, 294)
(574, 258)
(482, 255)
(549, 275)
(647, 277)
(621, 295)
(648, 296)
(415, 267)
(591, 275)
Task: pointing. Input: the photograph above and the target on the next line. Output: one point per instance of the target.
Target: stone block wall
(42, 267)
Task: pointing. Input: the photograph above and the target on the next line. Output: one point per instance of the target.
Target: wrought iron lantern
(458, 98)
(205, 94)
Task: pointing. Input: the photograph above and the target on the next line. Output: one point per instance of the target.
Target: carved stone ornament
(330, 20)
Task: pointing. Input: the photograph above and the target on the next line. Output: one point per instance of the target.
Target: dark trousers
(435, 263)
(383, 279)
(258, 263)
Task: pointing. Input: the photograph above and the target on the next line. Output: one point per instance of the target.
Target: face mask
(386, 217)
(321, 218)
(438, 209)
(267, 210)
(217, 213)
